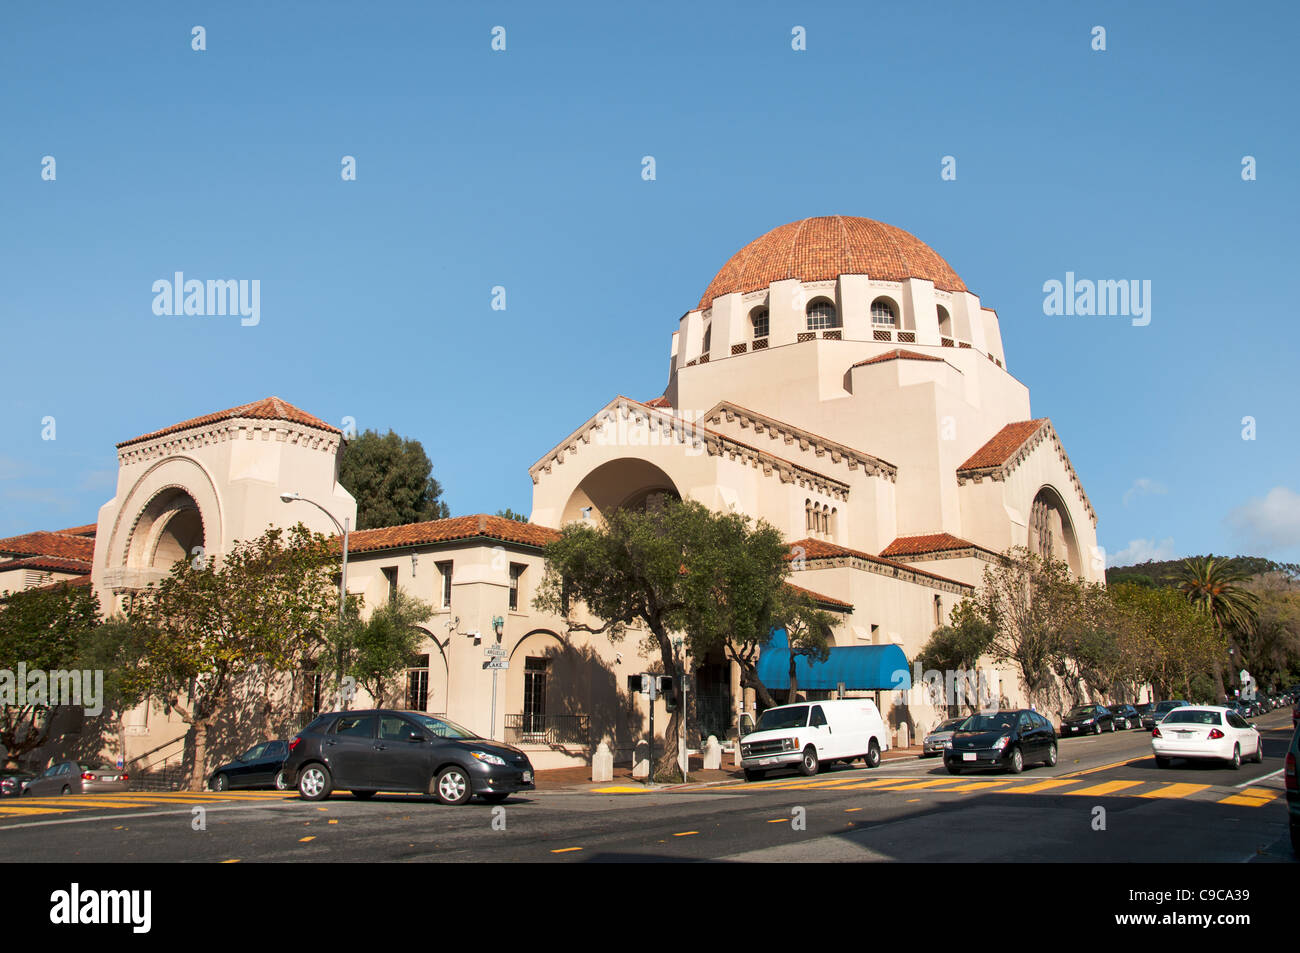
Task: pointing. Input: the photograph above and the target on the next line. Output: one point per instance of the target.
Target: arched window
(807, 515)
(832, 529)
(759, 321)
(708, 339)
(883, 313)
(822, 315)
(945, 322)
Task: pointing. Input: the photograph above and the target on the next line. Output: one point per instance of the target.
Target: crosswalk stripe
(1260, 792)
(1175, 790)
(1244, 801)
(880, 782)
(974, 786)
(1107, 787)
(916, 785)
(32, 810)
(1040, 786)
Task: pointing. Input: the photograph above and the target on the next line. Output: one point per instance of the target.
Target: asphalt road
(908, 810)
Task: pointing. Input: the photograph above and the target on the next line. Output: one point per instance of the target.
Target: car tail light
(1290, 772)
(295, 743)
(87, 776)
(1215, 734)
(1155, 733)
(126, 777)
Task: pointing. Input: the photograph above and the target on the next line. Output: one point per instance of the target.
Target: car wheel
(953, 768)
(363, 795)
(66, 790)
(809, 765)
(1051, 756)
(281, 782)
(1162, 762)
(1096, 727)
(753, 774)
(1235, 763)
(1113, 727)
(872, 759)
(1259, 751)
(496, 797)
(452, 786)
(221, 783)
(315, 783)
(1016, 763)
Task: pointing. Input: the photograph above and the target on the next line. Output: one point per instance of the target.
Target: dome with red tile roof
(823, 248)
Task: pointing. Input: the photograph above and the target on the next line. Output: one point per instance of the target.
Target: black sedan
(12, 781)
(381, 750)
(258, 767)
(1158, 711)
(1006, 739)
(1087, 720)
(1126, 716)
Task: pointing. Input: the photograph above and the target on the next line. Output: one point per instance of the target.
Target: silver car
(936, 739)
(76, 777)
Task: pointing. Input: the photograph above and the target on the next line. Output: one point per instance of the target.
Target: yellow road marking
(1259, 792)
(32, 810)
(1246, 801)
(686, 833)
(616, 791)
(881, 782)
(233, 860)
(850, 810)
(778, 820)
(303, 840)
(1105, 767)
(1106, 787)
(975, 786)
(915, 785)
(333, 821)
(1040, 786)
(1175, 790)
(565, 850)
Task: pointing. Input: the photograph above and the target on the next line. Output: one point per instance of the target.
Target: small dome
(823, 248)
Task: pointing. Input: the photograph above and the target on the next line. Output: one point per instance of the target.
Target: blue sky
(522, 169)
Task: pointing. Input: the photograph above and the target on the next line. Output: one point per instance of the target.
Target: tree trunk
(794, 680)
(197, 772)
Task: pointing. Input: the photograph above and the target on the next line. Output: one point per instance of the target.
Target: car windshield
(441, 727)
(998, 721)
(950, 725)
(776, 718)
(1181, 717)
(1081, 712)
(1168, 706)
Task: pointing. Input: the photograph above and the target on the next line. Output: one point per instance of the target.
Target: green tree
(1165, 640)
(957, 647)
(509, 514)
(392, 480)
(1215, 586)
(378, 650)
(213, 626)
(808, 632)
(48, 629)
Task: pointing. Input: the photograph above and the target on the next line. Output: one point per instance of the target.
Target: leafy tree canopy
(392, 481)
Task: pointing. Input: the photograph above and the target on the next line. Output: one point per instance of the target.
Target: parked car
(1126, 716)
(810, 734)
(258, 767)
(77, 777)
(1006, 739)
(935, 740)
(1160, 709)
(12, 781)
(1087, 720)
(1199, 732)
(1293, 789)
(373, 750)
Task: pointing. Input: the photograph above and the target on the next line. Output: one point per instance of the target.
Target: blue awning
(858, 667)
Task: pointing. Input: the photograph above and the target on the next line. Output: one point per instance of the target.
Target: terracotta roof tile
(441, 531)
(88, 530)
(661, 402)
(823, 248)
(820, 549)
(818, 597)
(48, 544)
(896, 355)
(1004, 444)
(47, 564)
(269, 408)
(929, 543)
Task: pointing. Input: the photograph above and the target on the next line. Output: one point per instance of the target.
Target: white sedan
(1206, 731)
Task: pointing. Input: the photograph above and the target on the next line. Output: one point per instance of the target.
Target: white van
(810, 734)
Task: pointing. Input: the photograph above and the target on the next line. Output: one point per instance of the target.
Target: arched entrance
(626, 482)
(1051, 532)
(168, 529)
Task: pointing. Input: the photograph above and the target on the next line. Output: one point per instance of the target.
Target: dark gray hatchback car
(374, 750)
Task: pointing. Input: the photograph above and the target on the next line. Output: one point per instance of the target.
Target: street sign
(497, 663)
(497, 650)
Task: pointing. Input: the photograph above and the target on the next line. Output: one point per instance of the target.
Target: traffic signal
(668, 691)
(638, 684)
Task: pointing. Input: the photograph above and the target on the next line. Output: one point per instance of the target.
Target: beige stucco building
(837, 379)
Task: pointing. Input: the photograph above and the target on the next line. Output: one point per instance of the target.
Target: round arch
(624, 482)
(1051, 531)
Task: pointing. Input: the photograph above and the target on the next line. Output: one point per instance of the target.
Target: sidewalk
(579, 778)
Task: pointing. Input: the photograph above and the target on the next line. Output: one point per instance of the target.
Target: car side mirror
(415, 736)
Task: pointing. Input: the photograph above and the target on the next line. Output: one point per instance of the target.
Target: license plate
(114, 778)
(968, 757)
(767, 761)
(528, 776)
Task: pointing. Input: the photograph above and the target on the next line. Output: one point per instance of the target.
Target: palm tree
(1214, 586)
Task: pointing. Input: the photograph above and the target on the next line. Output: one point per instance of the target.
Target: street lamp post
(343, 581)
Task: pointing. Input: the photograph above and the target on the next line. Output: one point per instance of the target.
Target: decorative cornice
(1001, 471)
(225, 431)
(790, 434)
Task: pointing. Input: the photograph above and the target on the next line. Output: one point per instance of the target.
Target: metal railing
(534, 729)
